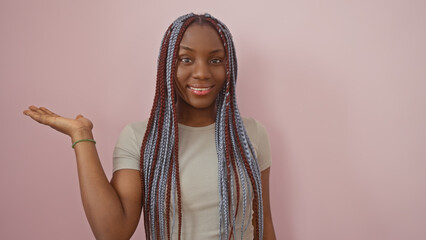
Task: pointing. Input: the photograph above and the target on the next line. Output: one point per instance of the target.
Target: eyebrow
(190, 49)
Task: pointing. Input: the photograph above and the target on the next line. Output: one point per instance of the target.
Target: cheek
(182, 74)
(178, 73)
(220, 75)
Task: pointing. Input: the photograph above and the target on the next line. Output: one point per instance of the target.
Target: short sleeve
(260, 141)
(126, 153)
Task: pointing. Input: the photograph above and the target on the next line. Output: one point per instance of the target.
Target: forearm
(268, 226)
(268, 229)
(101, 203)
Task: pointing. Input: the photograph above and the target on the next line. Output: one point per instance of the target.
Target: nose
(201, 71)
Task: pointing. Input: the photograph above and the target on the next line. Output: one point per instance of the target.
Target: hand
(68, 126)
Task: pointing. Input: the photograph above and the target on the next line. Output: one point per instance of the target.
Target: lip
(200, 90)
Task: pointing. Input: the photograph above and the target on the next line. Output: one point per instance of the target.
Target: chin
(198, 105)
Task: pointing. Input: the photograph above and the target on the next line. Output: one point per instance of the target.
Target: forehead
(201, 37)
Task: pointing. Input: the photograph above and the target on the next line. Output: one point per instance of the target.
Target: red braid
(159, 97)
(175, 120)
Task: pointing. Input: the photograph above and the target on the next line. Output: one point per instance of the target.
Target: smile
(200, 91)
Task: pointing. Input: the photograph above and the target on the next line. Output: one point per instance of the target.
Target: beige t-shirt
(198, 165)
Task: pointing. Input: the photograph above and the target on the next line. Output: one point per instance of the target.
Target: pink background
(340, 86)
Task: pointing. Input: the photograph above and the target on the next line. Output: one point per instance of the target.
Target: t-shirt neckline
(208, 127)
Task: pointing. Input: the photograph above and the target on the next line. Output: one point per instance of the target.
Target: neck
(193, 117)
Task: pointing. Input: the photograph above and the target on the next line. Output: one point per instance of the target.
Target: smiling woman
(196, 167)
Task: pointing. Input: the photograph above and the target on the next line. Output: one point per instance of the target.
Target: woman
(197, 168)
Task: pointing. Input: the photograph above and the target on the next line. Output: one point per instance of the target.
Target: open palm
(67, 126)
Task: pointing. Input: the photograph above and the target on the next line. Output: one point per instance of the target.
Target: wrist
(81, 134)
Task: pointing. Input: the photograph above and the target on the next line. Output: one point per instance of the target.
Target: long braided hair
(159, 165)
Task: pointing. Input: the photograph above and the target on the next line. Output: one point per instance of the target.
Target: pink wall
(340, 85)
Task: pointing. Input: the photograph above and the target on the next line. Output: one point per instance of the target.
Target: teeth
(199, 89)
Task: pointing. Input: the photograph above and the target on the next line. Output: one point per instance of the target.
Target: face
(200, 72)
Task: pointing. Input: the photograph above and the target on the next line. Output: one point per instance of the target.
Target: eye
(185, 60)
(216, 61)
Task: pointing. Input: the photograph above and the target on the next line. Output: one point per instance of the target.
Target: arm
(112, 209)
(268, 227)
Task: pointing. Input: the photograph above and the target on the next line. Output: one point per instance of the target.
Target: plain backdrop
(339, 85)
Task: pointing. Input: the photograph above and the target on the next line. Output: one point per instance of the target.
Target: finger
(39, 115)
(34, 115)
(49, 112)
(36, 109)
(31, 109)
(26, 112)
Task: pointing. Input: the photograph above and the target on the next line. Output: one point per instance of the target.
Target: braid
(238, 171)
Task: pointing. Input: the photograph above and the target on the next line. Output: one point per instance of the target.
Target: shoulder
(137, 127)
(132, 134)
(259, 139)
(126, 153)
(134, 130)
(254, 128)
